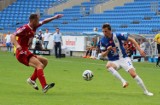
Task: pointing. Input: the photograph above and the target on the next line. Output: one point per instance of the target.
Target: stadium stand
(136, 17)
(17, 13)
(73, 15)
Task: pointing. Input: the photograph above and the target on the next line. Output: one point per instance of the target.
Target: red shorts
(23, 56)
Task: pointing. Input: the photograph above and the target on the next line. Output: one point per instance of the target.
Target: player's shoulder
(119, 33)
(21, 29)
(24, 27)
(122, 34)
(103, 38)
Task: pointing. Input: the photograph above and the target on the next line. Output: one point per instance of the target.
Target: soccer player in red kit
(25, 35)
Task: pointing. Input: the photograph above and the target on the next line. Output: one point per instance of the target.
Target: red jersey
(25, 35)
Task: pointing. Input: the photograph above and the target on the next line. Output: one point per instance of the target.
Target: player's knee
(40, 66)
(132, 73)
(45, 62)
(108, 66)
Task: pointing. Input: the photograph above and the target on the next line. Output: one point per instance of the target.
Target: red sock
(41, 77)
(34, 75)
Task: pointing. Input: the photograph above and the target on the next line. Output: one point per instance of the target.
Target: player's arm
(14, 41)
(137, 46)
(52, 18)
(19, 32)
(105, 53)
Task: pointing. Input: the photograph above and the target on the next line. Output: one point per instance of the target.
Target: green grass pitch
(70, 88)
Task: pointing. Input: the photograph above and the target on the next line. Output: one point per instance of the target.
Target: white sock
(94, 53)
(99, 56)
(116, 74)
(140, 83)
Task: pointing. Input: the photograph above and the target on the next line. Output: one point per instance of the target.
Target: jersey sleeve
(101, 45)
(20, 31)
(123, 36)
(40, 24)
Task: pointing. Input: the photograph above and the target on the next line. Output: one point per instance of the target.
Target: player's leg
(112, 68)
(157, 64)
(128, 66)
(34, 62)
(43, 60)
(139, 82)
(158, 48)
(34, 76)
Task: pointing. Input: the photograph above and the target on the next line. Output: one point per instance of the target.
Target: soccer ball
(87, 75)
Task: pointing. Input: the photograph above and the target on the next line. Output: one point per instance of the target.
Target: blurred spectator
(8, 42)
(91, 51)
(34, 42)
(95, 29)
(38, 44)
(93, 48)
(132, 48)
(88, 53)
(142, 45)
(46, 36)
(14, 47)
(57, 38)
(91, 10)
(128, 49)
(157, 40)
(83, 11)
(39, 36)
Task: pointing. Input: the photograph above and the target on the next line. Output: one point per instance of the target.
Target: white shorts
(124, 63)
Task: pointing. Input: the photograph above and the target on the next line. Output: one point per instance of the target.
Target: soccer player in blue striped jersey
(117, 56)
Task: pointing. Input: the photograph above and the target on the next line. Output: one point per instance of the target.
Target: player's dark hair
(106, 25)
(33, 16)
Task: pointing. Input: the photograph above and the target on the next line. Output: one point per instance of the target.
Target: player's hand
(143, 54)
(58, 16)
(109, 48)
(19, 47)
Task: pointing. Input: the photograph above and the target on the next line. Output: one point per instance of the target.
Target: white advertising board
(74, 43)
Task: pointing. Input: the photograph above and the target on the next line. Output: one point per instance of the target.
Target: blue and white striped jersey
(116, 41)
